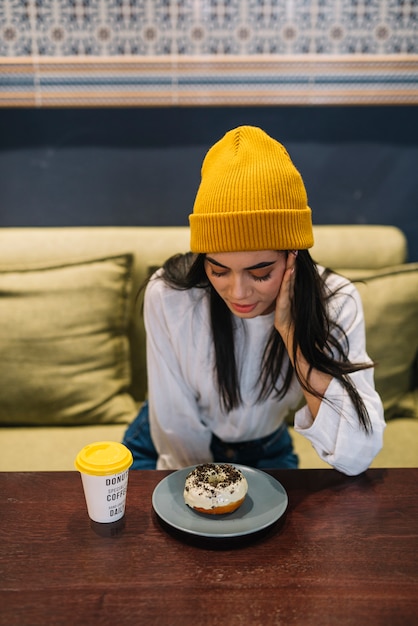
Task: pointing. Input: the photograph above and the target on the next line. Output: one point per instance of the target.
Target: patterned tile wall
(37, 33)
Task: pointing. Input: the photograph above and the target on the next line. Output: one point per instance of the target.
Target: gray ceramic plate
(265, 503)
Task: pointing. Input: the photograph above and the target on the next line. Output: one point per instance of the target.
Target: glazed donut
(215, 488)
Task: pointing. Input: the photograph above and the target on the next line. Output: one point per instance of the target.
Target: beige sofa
(72, 339)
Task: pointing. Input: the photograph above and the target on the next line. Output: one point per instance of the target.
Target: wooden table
(346, 552)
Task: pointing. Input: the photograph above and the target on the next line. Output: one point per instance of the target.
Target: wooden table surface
(346, 552)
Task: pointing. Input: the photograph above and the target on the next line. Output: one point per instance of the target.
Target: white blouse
(184, 403)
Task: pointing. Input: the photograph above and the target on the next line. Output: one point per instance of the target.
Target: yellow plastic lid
(103, 458)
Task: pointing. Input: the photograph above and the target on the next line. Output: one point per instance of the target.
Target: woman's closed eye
(256, 277)
(261, 278)
(217, 274)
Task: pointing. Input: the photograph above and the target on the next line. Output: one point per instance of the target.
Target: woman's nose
(238, 287)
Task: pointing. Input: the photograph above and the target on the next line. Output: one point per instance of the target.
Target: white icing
(214, 485)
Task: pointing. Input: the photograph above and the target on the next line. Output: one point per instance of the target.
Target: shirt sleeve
(336, 433)
(181, 439)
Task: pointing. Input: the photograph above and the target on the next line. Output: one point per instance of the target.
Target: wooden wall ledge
(180, 80)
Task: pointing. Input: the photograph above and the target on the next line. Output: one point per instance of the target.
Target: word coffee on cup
(104, 468)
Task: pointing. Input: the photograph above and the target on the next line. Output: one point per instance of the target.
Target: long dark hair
(323, 343)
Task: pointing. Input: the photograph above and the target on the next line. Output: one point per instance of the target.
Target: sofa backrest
(355, 250)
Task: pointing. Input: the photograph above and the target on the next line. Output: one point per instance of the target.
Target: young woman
(246, 329)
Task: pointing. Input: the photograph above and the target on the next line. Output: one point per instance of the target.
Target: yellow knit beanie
(251, 197)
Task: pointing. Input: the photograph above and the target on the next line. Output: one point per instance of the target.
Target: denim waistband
(248, 445)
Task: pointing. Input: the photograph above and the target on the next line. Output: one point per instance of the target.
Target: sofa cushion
(65, 352)
(390, 301)
(359, 246)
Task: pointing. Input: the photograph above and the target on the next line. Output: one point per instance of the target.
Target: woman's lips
(243, 308)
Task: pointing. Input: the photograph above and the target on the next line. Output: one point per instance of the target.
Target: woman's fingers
(283, 318)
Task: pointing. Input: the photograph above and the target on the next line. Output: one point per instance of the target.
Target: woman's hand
(284, 324)
(283, 321)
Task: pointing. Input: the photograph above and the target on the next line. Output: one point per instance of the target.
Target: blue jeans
(273, 451)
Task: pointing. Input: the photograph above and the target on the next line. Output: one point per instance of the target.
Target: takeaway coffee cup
(104, 468)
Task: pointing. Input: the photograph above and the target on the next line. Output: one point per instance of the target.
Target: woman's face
(248, 282)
